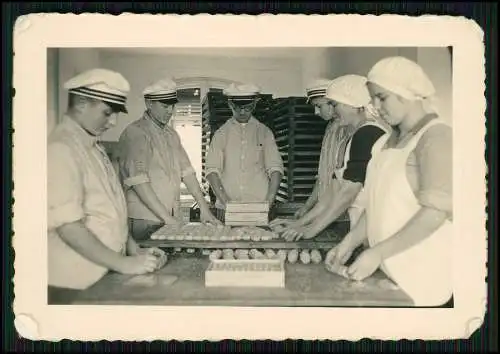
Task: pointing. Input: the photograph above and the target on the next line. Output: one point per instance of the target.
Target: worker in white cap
(316, 92)
(153, 163)
(87, 214)
(349, 98)
(243, 162)
(408, 204)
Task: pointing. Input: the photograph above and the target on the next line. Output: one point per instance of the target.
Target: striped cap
(164, 90)
(317, 88)
(102, 84)
(244, 93)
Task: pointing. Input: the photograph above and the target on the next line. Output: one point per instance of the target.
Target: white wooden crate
(267, 273)
(252, 207)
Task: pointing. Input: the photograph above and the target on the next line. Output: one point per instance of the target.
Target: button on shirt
(151, 153)
(82, 185)
(244, 156)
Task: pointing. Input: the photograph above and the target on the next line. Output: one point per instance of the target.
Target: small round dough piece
(256, 254)
(305, 258)
(227, 253)
(293, 256)
(217, 254)
(316, 256)
(282, 254)
(270, 253)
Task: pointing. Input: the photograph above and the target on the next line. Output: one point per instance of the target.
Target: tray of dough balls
(199, 235)
(254, 267)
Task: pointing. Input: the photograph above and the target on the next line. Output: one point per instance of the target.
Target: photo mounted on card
(238, 188)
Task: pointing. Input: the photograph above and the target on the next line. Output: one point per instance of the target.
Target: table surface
(305, 286)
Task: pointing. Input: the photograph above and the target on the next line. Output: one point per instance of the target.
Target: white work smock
(327, 161)
(244, 156)
(151, 153)
(82, 185)
(424, 270)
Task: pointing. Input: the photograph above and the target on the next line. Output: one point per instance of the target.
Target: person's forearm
(194, 188)
(313, 198)
(422, 225)
(132, 246)
(343, 199)
(358, 234)
(320, 205)
(217, 187)
(274, 184)
(149, 198)
(83, 241)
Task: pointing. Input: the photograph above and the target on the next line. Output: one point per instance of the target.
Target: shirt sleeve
(65, 193)
(134, 153)
(434, 154)
(361, 152)
(272, 157)
(215, 154)
(185, 162)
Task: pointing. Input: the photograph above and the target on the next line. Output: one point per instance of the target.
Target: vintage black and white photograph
(267, 177)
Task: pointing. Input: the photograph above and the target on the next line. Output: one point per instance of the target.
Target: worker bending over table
(87, 212)
(153, 163)
(408, 191)
(243, 162)
(349, 99)
(334, 136)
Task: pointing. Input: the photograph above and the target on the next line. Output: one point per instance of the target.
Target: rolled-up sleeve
(185, 162)
(272, 157)
(134, 156)
(434, 155)
(65, 190)
(215, 155)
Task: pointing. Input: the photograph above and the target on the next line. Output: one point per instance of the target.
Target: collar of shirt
(251, 122)
(155, 121)
(394, 138)
(79, 132)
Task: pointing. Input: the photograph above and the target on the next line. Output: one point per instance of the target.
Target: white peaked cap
(162, 90)
(242, 92)
(317, 88)
(102, 84)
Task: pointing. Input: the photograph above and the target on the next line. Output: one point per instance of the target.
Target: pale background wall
(285, 74)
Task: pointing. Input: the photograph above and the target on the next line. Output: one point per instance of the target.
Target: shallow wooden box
(266, 273)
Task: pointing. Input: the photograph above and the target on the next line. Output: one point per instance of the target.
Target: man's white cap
(164, 90)
(242, 93)
(102, 84)
(317, 88)
(350, 90)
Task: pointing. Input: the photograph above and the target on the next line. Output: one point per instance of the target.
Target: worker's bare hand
(292, 233)
(279, 223)
(365, 265)
(338, 256)
(139, 264)
(161, 256)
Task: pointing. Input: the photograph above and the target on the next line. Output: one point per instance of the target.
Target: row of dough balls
(292, 256)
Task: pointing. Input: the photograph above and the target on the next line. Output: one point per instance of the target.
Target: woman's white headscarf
(405, 78)
(351, 90)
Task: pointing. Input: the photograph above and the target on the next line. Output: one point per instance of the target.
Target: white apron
(357, 207)
(424, 270)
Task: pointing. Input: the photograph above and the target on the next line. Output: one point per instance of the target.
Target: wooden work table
(306, 285)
